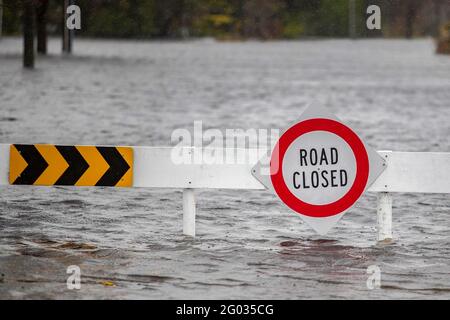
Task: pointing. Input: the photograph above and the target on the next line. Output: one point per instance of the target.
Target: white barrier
(409, 172)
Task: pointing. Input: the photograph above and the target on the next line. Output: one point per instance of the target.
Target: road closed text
(319, 177)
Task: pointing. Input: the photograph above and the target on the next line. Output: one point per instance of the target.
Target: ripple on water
(248, 245)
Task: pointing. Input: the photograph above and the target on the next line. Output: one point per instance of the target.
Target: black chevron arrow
(77, 165)
(36, 164)
(117, 166)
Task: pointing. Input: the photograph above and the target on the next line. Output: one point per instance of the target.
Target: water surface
(394, 93)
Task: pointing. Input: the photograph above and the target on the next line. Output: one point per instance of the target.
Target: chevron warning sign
(46, 165)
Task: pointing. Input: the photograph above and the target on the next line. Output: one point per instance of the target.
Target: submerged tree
(41, 24)
(28, 33)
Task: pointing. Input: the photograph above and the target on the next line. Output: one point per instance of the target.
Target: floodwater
(128, 242)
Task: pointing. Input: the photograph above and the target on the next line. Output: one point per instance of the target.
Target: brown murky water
(128, 243)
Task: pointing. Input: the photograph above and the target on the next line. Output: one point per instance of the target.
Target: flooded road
(128, 242)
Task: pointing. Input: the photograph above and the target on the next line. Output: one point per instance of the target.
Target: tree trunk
(1, 18)
(28, 33)
(41, 19)
(352, 19)
(67, 34)
(409, 19)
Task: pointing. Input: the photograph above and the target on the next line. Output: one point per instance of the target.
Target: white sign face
(319, 168)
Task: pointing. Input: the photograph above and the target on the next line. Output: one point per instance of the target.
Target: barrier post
(384, 216)
(189, 212)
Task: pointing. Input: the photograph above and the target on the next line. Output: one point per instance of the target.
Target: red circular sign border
(362, 168)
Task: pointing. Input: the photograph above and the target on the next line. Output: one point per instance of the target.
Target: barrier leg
(384, 216)
(189, 212)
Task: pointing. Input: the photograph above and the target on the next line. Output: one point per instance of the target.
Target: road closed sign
(319, 168)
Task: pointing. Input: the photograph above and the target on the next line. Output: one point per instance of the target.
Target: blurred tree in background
(236, 19)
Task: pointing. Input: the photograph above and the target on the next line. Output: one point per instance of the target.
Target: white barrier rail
(409, 172)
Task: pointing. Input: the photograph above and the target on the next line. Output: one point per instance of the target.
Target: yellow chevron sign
(45, 164)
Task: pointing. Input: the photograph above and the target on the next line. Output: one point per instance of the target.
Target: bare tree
(28, 33)
(412, 10)
(352, 19)
(1, 17)
(41, 21)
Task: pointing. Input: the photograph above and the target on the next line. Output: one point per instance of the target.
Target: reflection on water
(128, 242)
